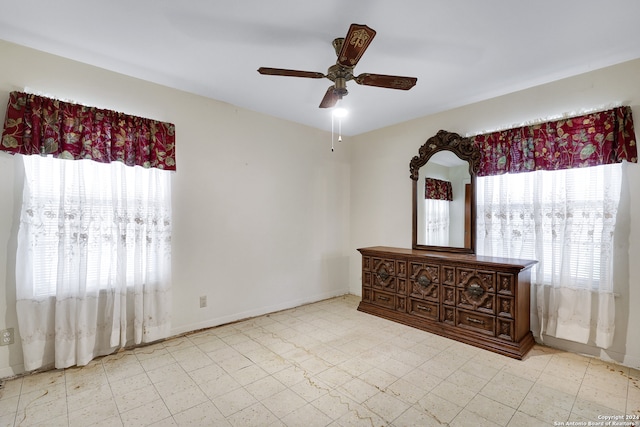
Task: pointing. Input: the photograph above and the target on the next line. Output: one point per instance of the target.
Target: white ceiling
(461, 51)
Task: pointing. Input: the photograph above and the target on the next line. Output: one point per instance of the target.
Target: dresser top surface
(451, 257)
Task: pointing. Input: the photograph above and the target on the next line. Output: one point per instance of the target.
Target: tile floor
(323, 364)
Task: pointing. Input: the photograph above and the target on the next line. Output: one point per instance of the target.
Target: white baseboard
(259, 311)
(12, 371)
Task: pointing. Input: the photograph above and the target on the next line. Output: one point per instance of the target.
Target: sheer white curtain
(564, 219)
(93, 267)
(437, 227)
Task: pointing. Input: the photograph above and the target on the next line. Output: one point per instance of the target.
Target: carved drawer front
(367, 279)
(505, 307)
(367, 294)
(401, 268)
(424, 309)
(475, 299)
(424, 281)
(479, 322)
(448, 295)
(366, 263)
(383, 299)
(484, 279)
(384, 274)
(401, 286)
(448, 275)
(506, 284)
(506, 329)
(448, 315)
(401, 303)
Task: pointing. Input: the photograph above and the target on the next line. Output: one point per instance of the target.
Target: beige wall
(260, 205)
(381, 188)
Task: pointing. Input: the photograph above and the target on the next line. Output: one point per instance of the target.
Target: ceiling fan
(349, 51)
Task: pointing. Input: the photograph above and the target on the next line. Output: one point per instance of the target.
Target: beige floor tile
(334, 404)
(265, 387)
(234, 401)
(413, 417)
(358, 390)
(454, 393)
(256, 415)
(467, 418)
(386, 406)
(491, 410)
(590, 411)
(310, 389)
(360, 416)
(438, 408)
(203, 414)
(406, 391)
(520, 419)
(283, 403)
(604, 397)
(308, 416)
(145, 415)
(99, 412)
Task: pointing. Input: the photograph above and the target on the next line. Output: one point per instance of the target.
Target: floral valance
(437, 189)
(39, 125)
(589, 140)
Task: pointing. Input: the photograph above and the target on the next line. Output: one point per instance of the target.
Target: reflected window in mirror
(442, 215)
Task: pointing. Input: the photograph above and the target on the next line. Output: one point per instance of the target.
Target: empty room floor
(322, 364)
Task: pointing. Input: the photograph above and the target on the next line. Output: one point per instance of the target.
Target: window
(565, 219)
(89, 217)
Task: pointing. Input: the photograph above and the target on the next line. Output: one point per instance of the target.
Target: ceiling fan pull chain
(332, 133)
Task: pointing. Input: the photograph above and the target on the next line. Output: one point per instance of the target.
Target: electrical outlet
(203, 301)
(6, 336)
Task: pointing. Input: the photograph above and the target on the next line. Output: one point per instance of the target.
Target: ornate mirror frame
(465, 150)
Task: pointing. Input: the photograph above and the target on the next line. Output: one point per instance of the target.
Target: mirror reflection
(444, 202)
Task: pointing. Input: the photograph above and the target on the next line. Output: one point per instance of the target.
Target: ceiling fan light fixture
(339, 112)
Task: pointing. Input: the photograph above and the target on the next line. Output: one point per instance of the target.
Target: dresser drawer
(484, 302)
(506, 329)
(384, 274)
(424, 281)
(506, 284)
(448, 295)
(478, 322)
(505, 307)
(367, 279)
(366, 263)
(467, 276)
(383, 299)
(425, 309)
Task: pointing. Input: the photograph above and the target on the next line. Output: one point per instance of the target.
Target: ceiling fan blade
(290, 73)
(391, 82)
(330, 98)
(354, 45)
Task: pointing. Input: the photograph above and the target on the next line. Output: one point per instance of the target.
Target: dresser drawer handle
(383, 275)
(475, 290)
(422, 307)
(424, 281)
(383, 298)
(472, 320)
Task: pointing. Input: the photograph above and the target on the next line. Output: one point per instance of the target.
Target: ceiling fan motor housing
(340, 87)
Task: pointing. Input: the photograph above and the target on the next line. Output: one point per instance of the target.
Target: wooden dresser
(482, 301)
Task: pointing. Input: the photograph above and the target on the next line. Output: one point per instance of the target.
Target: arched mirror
(443, 196)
